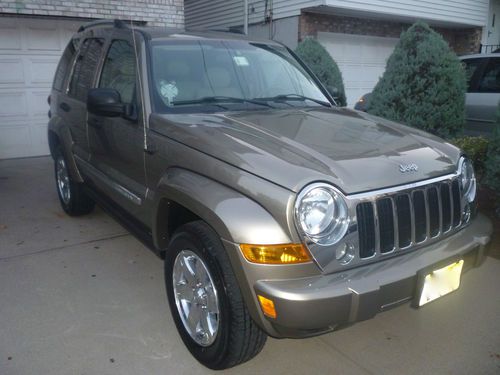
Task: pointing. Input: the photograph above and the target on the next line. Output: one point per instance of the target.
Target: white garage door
(361, 60)
(29, 52)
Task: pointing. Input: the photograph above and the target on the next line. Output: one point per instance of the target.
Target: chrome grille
(404, 219)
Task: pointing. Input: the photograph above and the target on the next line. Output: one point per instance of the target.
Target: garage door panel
(11, 71)
(13, 104)
(38, 103)
(30, 49)
(361, 59)
(14, 135)
(42, 70)
(10, 37)
(43, 39)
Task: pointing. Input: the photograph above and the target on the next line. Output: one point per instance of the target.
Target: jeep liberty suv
(276, 212)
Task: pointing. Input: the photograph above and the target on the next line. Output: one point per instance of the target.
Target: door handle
(65, 107)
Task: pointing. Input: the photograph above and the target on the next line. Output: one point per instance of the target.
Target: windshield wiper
(283, 97)
(221, 99)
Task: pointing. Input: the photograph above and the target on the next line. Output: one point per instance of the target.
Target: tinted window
(64, 64)
(84, 69)
(119, 70)
(471, 67)
(490, 81)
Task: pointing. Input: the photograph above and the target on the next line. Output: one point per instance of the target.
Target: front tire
(73, 199)
(206, 302)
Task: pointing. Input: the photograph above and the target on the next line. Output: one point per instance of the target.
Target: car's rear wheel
(73, 199)
(206, 302)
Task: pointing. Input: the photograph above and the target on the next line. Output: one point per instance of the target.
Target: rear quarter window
(85, 68)
(471, 67)
(490, 80)
(64, 64)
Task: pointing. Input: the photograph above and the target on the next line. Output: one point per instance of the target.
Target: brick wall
(462, 41)
(168, 13)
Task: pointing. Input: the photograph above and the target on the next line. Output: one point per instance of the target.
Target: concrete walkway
(82, 296)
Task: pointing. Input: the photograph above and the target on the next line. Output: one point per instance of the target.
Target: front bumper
(311, 305)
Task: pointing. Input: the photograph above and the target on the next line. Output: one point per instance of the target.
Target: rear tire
(237, 338)
(73, 199)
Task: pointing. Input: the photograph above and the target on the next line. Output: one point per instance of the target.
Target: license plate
(441, 282)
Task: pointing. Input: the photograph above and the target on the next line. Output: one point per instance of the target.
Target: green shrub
(423, 85)
(492, 165)
(321, 63)
(476, 149)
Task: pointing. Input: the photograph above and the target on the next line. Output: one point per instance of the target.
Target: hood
(352, 150)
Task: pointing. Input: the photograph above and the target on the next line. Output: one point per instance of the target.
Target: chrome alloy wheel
(196, 297)
(63, 180)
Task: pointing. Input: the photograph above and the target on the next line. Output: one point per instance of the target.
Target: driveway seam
(8, 258)
(333, 347)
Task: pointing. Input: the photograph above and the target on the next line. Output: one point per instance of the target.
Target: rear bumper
(312, 305)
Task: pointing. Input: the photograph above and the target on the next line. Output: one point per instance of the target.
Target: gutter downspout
(245, 17)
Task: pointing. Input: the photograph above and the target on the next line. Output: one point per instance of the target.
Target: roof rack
(115, 23)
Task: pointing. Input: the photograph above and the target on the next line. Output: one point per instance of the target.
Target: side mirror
(105, 102)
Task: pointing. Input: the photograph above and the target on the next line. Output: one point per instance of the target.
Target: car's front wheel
(73, 199)
(206, 302)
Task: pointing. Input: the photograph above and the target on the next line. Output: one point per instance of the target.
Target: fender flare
(234, 216)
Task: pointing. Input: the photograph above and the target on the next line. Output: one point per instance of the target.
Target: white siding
(215, 14)
(466, 12)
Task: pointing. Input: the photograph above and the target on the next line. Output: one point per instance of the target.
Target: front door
(117, 143)
(73, 106)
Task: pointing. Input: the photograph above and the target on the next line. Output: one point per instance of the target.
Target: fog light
(345, 253)
(275, 254)
(267, 306)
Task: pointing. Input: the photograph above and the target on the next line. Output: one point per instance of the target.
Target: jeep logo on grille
(403, 168)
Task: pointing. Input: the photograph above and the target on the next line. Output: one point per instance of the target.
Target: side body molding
(233, 216)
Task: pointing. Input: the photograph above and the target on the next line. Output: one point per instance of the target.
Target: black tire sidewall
(210, 356)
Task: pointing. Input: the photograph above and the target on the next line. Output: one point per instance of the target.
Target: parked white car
(483, 92)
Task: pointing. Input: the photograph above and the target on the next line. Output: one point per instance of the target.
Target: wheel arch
(185, 196)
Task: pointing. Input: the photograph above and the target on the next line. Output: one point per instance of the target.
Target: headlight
(467, 180)
(321, 213)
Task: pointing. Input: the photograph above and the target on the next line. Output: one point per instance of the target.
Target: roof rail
(115, 23)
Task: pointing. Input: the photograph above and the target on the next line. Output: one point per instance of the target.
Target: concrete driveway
(82, 296)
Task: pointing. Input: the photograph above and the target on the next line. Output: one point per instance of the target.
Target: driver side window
(119, 70)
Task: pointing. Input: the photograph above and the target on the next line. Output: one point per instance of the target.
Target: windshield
(195, 75)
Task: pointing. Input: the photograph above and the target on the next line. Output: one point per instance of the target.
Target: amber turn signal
(267, 306)
(275, 254)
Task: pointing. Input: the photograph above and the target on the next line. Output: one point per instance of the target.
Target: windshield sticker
(241, 60)
(168, 91)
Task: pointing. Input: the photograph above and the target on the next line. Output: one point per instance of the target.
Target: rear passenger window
(471, 66)
(84, 69)
(490, 82)
(119, 70)
(65, 64)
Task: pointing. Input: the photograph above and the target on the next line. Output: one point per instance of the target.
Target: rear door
(483, 95)
(117, 143)
(72, 107)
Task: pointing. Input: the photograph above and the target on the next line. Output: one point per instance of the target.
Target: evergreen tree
(492, 164)
(322, 64)
(423, 85)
